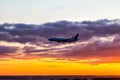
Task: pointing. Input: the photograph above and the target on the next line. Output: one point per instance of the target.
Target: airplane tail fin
(76, 36)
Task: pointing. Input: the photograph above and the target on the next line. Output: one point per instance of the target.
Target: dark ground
(59, 77)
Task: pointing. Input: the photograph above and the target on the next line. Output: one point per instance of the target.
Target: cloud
(97, 39)
(25, 33)
(4, 50)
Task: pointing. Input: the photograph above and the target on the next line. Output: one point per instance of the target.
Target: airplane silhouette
(73, 39)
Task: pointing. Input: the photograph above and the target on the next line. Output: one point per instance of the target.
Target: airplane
(73, 39)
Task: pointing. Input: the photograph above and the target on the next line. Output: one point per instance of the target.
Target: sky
(41, 11)
(26, 26)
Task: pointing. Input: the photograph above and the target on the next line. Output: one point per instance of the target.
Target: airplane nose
(49, 39)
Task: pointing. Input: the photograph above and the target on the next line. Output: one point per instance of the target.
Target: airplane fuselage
(73, 39)
(63, 39)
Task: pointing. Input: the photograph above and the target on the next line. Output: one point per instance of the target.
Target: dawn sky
(41, 11)
(26, 26)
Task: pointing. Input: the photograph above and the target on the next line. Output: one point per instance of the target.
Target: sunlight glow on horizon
(36, 67)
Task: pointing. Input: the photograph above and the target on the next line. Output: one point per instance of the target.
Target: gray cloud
(24, 33)
(4, 50)
(89, 31)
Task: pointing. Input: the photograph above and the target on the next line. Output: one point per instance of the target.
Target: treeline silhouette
(55, 78)
(71, 79)
(106, 79)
